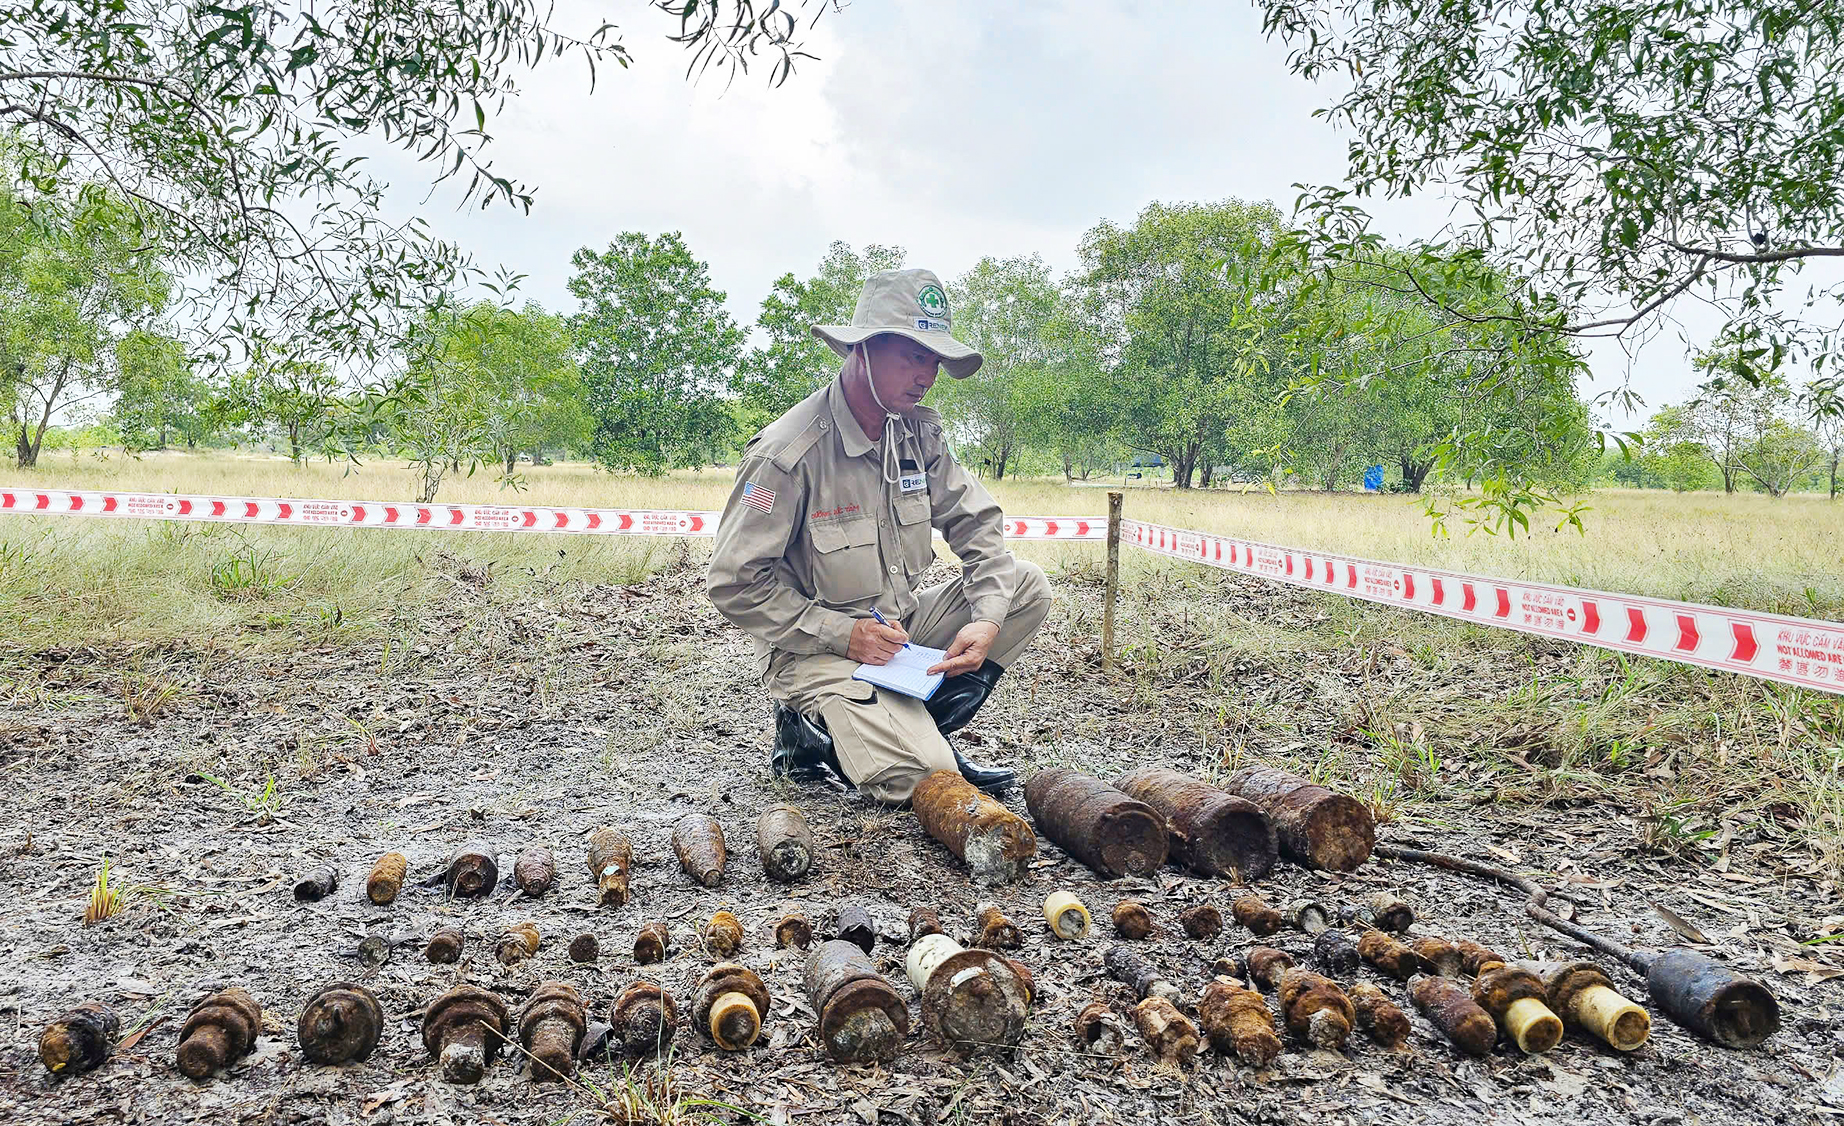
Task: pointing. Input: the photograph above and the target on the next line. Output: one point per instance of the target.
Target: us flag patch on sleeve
(758, 498)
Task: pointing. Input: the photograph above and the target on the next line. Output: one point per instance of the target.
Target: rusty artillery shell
(1208, 830)
(1232, 966)
(585, 948)
(1391, 912)
(855, 926)
(1126, 966)
(374, 950)
(730, 1005)
(1132, 920)
(219, 1030)
(445, 945)
(340, 1025)
(971, 999)
(1067, 915)
(1583, 996)
(79, 1040)
(1517, 1001)
(1201, 921)
(1711, 999)
(861, 1018)
(316, 885)
(1443, 955)
(1391, 956)
(386, 880)
(610, 857)
(1238, 1022)
(1168, 1032)
(785, 843)
(1267, 965)
(652, 943)
(1476, 959)
(1254, 913)
(1316, 1009)
(1315, 826)
(518, 943)
(535, 871)
(1334, 953)
(1378, 1015)
(472, 871)
(922, 921)
(1097, 824)
(995, 931)
(793, 929)
(463, 1029)
(551, 1028)
(1308, 916)
(723, 935)
(699, 842)
(1099, 1029)
(1454, 1012)
(995, 842)
(645, 1018)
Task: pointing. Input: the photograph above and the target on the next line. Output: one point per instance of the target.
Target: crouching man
(829, 526)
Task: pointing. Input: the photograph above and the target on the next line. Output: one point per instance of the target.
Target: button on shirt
(814, 535)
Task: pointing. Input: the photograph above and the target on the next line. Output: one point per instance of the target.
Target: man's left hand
(969, 650)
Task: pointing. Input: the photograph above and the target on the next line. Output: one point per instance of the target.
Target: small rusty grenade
(80, 1040)
(219, 1030)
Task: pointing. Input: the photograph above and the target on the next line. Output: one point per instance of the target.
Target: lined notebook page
(907, 672)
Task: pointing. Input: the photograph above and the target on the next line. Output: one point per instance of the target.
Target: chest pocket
(846, 566)
(912, 526)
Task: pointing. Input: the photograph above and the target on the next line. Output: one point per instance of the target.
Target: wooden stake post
(1113, 580)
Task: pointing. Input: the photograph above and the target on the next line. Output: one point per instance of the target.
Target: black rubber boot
(954, 705)
(803, 750)
(992, 779)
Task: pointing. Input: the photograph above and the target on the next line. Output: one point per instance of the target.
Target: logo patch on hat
(933, 301)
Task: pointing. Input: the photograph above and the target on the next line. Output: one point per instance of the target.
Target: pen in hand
(882, 621)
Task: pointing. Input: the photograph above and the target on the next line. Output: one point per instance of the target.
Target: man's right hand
(874, 644)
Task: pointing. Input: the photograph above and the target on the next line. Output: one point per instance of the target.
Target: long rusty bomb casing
(1237, 1021)
(472, 872)
(80, 1040)
(535, 871)
(1391, 956)
(1452, 1010)
(1387, 1024)
(1711, 999)
(1315, 826)
(972, 999)
(861, 1018)
(698, 840)
(1316, 1009)
(1168, 1033)
(784, 841)
(1125, 965)
(340, 1024)
(610, 857)
(995, 842)
(1208, 830)
(219, 1030)
(1107, 830)
(385, 883)
(1253, 912)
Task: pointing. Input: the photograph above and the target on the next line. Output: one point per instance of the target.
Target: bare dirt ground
(537, 718)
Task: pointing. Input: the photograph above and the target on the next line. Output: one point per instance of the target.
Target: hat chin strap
(891, 419)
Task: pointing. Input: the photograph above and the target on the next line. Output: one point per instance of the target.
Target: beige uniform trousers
(886, 741)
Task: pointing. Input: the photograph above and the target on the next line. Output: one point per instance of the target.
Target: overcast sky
(953, 128)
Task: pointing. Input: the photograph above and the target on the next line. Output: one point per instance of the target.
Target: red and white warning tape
(1797, 651)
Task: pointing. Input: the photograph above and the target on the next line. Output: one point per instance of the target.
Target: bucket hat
(912, 304)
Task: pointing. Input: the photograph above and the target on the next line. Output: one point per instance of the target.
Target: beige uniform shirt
(813, 536)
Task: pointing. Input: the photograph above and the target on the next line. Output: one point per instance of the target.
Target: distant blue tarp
(1373, 479)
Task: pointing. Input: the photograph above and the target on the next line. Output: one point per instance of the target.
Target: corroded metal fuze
(1107, 830)
(551, 1028)
(80, 1040)
(995, 931)
(1232, 966)
(652, 943)
(1517, 1001)
(730, 1005)
(1476, 959)
(341, 1024)
(1209, 831)
(610, 857)
(1308, 916)
(1711, 999)
(585, 947)
(785, 843)
(698, 841)
(219, 1030)
(1099, 1029)
(1584, 996)
(1438, 952)
(793, 929)
(1238, 1022)
(861, 1018)
(645, 1018)
(463, 1029)
(1315, 826)
(385, 883)
(1316, 1009)
(1334, 952)
(1454, 1012)
(1201, 921)
(1168, 1032)
(995, 842)
(472, 872)
(1267, 965)
(1067, 915)
(1132, 920)
(316, 885)
(971, 998)
(1392, 957)
(518, 943)
(856, 927)
(723, 935)
(1387, 1024)
(1125, 965)
(923, 920)
(445, 945)
(1390, 912)
(535, 871)
(1253, 912)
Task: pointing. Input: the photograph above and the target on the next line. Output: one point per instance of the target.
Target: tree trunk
(1182, 466)
(1834, 478)
(1204, 474)
(1413, 474)
(1069, 470)
(294, 442)
(26, 455)
(512, 462)
(162, 444)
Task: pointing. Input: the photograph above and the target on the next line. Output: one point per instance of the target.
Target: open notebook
(907, 672)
